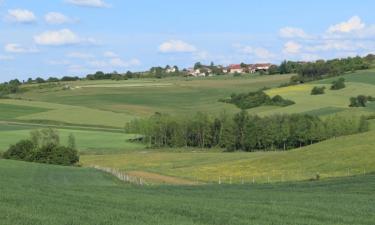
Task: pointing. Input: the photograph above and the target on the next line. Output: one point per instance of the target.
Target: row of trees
(44, 146)
(255, 99)
(335, 67)
(243, 131)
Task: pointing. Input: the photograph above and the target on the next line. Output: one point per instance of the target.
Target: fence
(259, 178)
(123, 176)
(278, 176)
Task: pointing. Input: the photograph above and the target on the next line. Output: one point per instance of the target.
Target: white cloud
(336, 45)
(57, 18)
(176, 46)
(60, 37)
(353, 24)
(292, 47)
(21, 16)
(117, 62)
(90, 3)
(17, 48)
(109, 54)
(258, 52)
(292, 32)
(80, 55)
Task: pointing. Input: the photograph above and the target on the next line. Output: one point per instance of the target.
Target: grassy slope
(35, 194)
(88, 142)
(138, 97)
(361, 82)
(330, 158)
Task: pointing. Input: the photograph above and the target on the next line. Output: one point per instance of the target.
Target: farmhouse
(236, 68)
(201, 72)
(262, 66)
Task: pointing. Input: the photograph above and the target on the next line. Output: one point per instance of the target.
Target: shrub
(255, 99)
(338, 84)
(44, 147)
(360, 101)
(318, 91)
(22, 150)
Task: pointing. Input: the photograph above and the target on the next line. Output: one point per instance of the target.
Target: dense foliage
(338, 84)
(243, 131)
(255, 99)
(44, 147)
(318, 90)
(360, 101)
(10, 87)
(308, 71)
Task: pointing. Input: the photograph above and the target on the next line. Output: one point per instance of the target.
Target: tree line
(44, 146)
(243, 132)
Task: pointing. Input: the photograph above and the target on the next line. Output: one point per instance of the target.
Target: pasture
(88, 141)
(337, 157)
(42, 194)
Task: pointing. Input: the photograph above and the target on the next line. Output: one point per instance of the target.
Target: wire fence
(122, 176)
(276, 176)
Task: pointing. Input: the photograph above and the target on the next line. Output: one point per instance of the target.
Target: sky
(76, 37)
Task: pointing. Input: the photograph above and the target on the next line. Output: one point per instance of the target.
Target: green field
(88, 141)
(90, 109)
(35, 194)
(331, 158)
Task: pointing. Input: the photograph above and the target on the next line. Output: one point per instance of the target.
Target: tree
(20, 151)
(338, 84)
(72, 141)
(318, 90)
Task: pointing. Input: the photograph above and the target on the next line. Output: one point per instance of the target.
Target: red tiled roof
(235, 66)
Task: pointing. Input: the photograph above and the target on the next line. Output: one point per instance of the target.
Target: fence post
(230, 180)
(242, 181)
(253, 180)
(219, 179)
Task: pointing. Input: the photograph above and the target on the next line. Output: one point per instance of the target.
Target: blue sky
(76, 37)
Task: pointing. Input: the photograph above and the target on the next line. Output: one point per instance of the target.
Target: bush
(338, 84)
(318, 91)
(360, 101)
(23, 150)
(44, 147)
(255, 99)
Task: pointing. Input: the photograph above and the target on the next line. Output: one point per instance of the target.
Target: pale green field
(113, 103)
(331, 158)
(88, 142)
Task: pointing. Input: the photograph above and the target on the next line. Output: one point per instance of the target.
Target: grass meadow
(338, 157)
(88, 141)
(35, 194)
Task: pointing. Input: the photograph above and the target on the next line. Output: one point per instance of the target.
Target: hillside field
(96, 112)
(41, 194)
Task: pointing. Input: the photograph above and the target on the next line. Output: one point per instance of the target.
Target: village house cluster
(231, 69)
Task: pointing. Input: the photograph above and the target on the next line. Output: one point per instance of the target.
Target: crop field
(356, 156)
(88, 142)
(43, 194)
(90, 109)
(123, 100)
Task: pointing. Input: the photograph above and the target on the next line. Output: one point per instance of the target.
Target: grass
(36, 194)
(139, 98)
(330, 158)
(9, 111)
(88, 142)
